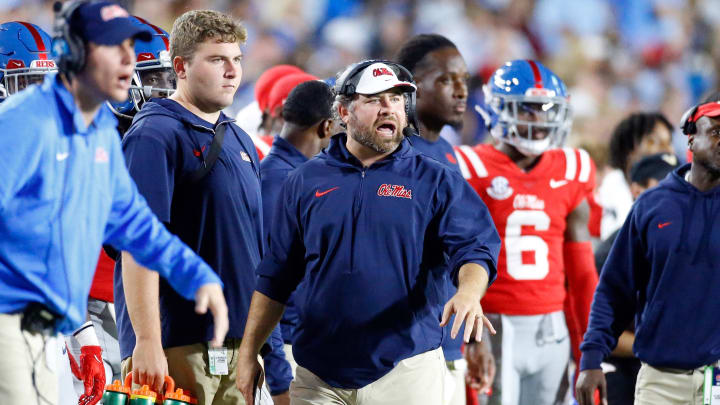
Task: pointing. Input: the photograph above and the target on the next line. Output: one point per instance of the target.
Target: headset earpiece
(687, 126)
(68, 48)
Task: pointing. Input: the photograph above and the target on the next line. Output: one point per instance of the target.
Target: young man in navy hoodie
(365, 226)
(663, 269)
(217, 212)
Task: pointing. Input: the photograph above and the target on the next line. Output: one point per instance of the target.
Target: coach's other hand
(249, 377)
(587, 383)
(211, 296)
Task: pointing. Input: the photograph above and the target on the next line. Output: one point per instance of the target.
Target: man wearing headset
(64, 191)
(365, 226)
(663, 270)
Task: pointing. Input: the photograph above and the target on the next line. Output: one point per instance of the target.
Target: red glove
(93, 374)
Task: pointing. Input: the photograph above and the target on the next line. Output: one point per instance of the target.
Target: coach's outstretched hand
(466, 308)
(465, 304)
(211, 296)
(587, 383)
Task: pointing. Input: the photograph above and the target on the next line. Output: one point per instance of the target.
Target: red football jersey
(262, 145)
(530, 211)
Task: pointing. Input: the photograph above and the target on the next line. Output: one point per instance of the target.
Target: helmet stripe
(536, 73)
(38, 39)
(157, 30)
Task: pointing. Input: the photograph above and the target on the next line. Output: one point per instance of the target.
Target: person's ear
(636, 189)
(691, 139)
(179, 65)
(323, 128)
(344, 113)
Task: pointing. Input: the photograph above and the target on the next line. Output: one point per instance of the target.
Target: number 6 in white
(515, 244)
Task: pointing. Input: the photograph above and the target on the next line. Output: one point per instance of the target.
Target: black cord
(34, 363)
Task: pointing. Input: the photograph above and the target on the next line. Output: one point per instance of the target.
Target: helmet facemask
(522, 120)
(16, 80)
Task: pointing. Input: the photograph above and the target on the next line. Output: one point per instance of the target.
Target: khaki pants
(27, 365)
(188, 366)
(669, 386)
(456, 373)
(418, 380)
(290, 358)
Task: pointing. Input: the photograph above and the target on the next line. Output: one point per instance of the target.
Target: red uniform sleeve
(582, 280)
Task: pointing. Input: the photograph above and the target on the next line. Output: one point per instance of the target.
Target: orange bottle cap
(180, 395)
(144, 392)
(117, 386)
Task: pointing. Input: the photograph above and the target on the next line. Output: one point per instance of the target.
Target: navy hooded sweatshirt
(664, 269)
(219, 217)
(368, 245)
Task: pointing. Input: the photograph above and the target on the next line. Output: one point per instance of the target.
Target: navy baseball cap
(106, 23)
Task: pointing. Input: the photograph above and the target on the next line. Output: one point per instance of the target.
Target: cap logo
(382, 71)
(112, 11)
(43, 64)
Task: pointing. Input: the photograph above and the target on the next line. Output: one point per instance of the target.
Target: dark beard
(368, 138)
(713, 170)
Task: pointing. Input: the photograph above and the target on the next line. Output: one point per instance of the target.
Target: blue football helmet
(154, 75)
(527, 106)
(24, 56)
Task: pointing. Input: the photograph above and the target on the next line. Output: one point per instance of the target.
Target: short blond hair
(196, 26)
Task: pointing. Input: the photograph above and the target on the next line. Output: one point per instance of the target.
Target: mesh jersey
(529, 210)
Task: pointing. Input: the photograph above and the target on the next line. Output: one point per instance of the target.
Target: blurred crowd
(615, 56)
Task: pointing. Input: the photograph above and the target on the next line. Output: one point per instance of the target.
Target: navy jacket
(281, 160)
(219, 217)
(442, 151)
(274, 169)
(368, 244)
(664, 269)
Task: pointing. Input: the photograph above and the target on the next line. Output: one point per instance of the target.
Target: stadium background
(616, 56)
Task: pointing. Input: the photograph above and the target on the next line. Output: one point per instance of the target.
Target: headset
(68, 48)
(347, 81)
(687, 126)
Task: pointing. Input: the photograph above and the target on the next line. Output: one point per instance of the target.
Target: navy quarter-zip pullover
(368, 245)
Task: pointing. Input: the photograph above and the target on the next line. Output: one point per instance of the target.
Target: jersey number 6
(516, 244)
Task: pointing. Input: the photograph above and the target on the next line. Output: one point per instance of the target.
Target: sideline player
(537, 198)
(441, 77)
(306, 114)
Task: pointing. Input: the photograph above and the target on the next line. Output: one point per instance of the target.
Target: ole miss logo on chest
(394, 190)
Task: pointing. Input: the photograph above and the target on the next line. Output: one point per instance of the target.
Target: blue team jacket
(64, 190)
(368, 244)
(664, 269)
